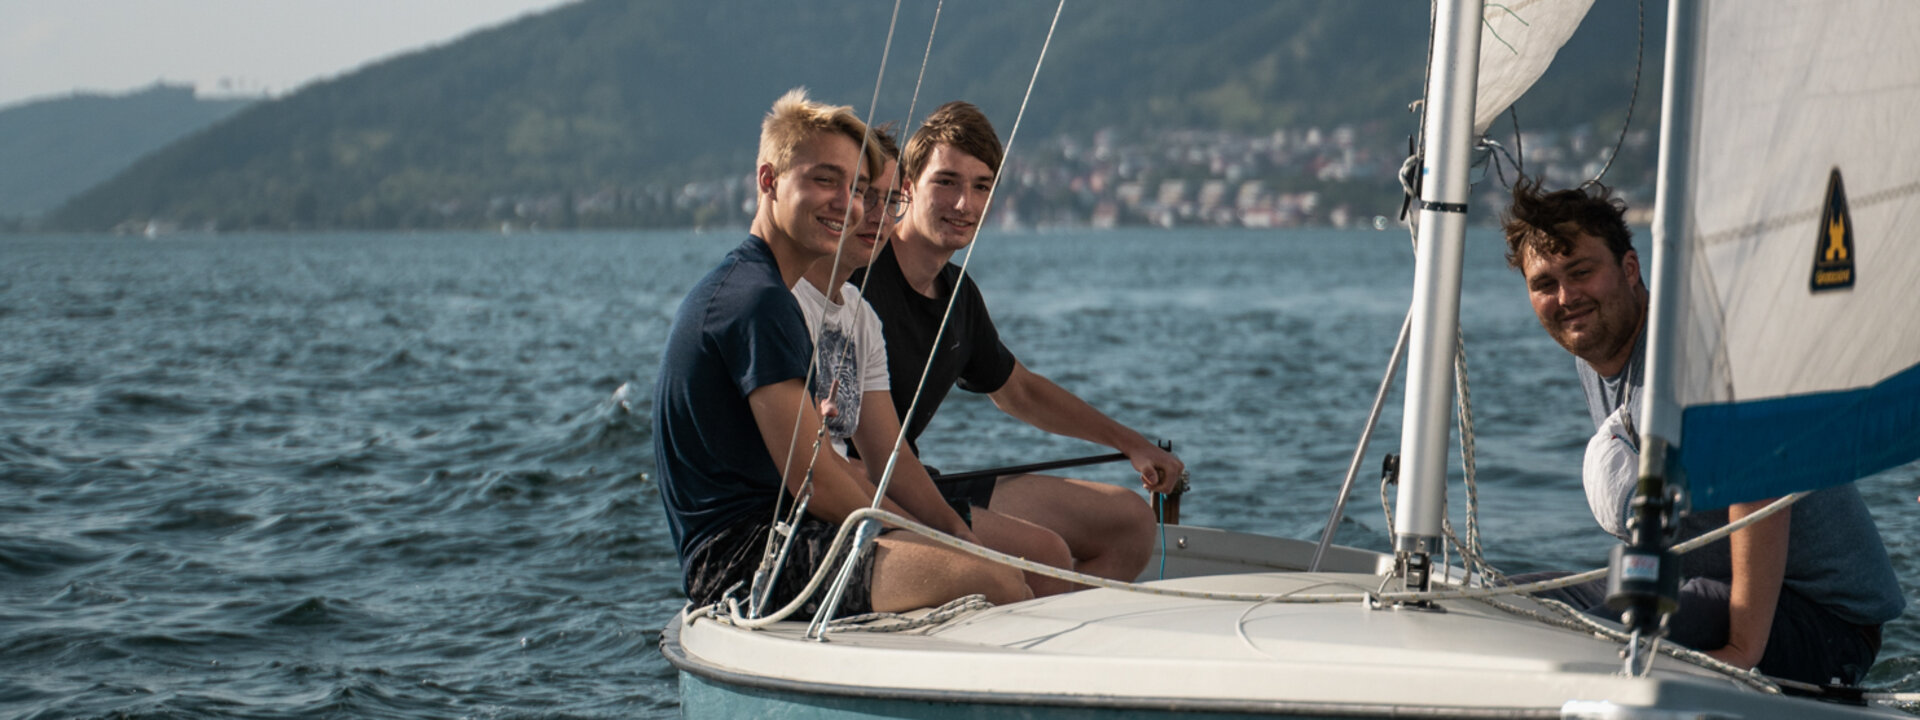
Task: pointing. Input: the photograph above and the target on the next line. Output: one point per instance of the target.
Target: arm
(836, 491)
(1042, 404)
(911, 486)
(1759, 566)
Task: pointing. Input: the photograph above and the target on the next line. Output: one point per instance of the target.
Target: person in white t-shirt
(851, 375)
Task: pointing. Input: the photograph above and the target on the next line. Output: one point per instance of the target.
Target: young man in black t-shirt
(949, 167)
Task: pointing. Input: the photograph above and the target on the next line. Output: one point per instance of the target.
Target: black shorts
(964, 494)
(1806, 642)
(733, 554)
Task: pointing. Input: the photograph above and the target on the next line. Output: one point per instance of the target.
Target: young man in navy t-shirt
(731, 390)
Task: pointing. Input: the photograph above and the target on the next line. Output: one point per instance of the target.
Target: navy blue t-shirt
(739, 329)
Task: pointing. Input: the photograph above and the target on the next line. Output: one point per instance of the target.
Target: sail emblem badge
(1833, 249)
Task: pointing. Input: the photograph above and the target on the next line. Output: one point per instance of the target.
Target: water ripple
(298, 476)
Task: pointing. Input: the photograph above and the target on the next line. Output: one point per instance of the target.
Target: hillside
(52, 149)
(601, 113)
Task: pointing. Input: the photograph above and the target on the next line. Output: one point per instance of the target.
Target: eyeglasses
(896, 204)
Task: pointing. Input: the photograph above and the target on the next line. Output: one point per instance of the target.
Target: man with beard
(1801, 594)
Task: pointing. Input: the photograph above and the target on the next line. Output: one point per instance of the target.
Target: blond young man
(949, 167)
(731, 389)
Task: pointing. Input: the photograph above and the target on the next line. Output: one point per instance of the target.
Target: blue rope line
(1160, 518)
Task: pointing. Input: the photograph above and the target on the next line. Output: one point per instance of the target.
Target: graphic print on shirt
(839, 373)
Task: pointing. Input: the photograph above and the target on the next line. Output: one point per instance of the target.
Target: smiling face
(947, 199)
(876, 222)
(815, 199)
(1591, 304)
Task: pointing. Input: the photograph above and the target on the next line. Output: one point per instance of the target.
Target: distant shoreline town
(1338, 176)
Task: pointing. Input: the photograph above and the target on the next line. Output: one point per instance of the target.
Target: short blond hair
(795, 118)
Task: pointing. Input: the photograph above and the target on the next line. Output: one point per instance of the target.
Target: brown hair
(883, 137)
(1546, 223)
(959, 124)
(795, 118)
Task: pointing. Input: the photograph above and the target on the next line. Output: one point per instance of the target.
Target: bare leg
(911, 572)
(1108, 529)
(1014, 536)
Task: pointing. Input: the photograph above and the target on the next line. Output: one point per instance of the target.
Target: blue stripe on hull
(705, 699)
(1739, 452)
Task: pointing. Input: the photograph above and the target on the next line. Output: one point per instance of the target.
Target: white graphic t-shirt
(852, 355)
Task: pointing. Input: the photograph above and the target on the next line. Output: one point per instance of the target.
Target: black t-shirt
(971, 354)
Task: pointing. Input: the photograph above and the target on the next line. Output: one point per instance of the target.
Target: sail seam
(1807, 216)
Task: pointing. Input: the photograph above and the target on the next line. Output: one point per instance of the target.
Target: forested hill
(598, 113)
(54, 148)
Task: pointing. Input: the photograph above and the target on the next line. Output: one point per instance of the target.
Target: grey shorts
(733, 554)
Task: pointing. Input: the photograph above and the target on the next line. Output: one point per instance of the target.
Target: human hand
(1159, 470)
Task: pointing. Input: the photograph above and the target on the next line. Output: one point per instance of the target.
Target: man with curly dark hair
(1801, 594)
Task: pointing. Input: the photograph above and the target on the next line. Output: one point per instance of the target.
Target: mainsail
(1518, 41)
(1787, 355)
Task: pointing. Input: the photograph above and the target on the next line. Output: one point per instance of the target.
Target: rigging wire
(893, 458)
(1012, 135)
(783, 533)
(1638, 53)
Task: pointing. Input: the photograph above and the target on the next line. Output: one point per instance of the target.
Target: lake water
(388, 475)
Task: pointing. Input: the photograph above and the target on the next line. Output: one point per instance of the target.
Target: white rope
(899, 622)
(729, 610)
(1572, 619)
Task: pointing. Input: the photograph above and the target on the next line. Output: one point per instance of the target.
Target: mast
(1447, 150)
(1644, 578)
(1659, 419)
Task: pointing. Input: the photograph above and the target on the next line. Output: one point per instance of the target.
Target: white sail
(1518, 41)
(1792, 360)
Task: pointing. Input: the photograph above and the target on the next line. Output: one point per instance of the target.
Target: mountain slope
(53, 149)
(615, 105)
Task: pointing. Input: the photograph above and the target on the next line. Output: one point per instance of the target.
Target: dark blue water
(391, 475)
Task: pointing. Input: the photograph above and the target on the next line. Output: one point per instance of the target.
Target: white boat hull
(1106, 653)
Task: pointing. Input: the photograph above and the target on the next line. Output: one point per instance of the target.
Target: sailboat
(1245, 625)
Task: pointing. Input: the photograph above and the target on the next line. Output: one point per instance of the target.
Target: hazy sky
(54, 47)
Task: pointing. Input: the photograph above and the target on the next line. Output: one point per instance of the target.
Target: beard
(1599, 334)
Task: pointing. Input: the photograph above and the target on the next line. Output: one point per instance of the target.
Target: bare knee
(1128, 542)
(1049, 549)
(1002, 584)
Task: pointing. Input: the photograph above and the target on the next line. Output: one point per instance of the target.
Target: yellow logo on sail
(1833, 250)
(1836, 240)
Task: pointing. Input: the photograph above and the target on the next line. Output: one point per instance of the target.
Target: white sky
(222, 47)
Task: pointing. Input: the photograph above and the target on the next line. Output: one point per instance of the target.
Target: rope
(902, 623)
(1471, 552)
(1160, 520)
(910, 525)
(1639, 50)
(1572, 619)
(728, 611)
